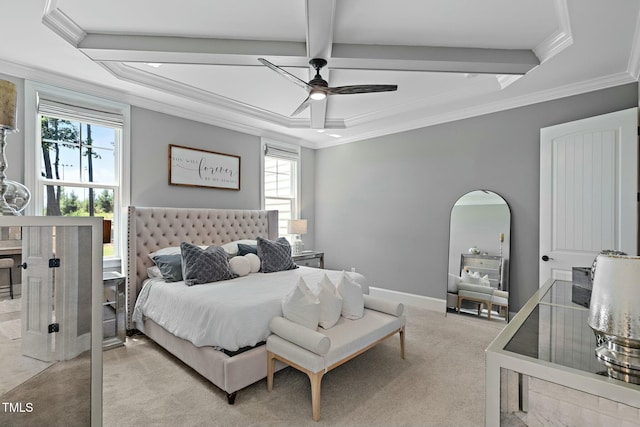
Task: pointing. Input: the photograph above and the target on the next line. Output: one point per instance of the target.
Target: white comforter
(229, 314)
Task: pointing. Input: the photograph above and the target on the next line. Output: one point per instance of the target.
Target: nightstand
(113, 310)
(309, 259)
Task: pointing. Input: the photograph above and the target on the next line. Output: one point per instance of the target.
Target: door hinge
(54, 262)
(54, 327)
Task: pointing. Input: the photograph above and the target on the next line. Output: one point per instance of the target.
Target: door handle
(23, 265)
(546, 258)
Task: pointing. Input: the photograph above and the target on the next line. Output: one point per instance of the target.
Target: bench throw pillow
(275, 255)
(330, 302)
(352, 299)
(301, 306)
(204, 265)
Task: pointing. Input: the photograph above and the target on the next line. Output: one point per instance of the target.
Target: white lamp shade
(297, 226)
(614, 309)
(8, 99)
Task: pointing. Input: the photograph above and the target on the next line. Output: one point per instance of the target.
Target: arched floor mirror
(479, 249)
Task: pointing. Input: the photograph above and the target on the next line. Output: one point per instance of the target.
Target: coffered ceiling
(199, 58)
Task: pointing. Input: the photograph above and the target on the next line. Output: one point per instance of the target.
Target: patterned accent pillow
(275, 255)
(204, 265)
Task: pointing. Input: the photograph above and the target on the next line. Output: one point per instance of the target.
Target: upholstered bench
(317, 352)
(483, 295)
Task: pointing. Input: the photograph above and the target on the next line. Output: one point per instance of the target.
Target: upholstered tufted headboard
(150, 229)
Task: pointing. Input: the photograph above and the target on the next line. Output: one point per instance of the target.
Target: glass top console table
(550, 341)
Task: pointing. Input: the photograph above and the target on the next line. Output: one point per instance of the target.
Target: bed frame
(153, 228)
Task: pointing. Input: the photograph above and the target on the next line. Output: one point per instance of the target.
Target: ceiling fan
(318, 87)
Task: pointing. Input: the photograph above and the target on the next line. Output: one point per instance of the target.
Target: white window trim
(32, 153)
(288, 147)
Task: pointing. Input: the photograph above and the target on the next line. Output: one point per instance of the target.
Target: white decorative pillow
(154, 272)
(254, 261)
(484, 280)
(301, 306)
(330, 302)
(452, 283)
(230, 248)
(352, 299)
(170, 250)
(240, 266)
(473, 278)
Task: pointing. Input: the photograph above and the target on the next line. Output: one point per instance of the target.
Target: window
(280, 183)
(79, 160)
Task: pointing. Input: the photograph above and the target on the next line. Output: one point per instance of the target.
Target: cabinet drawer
(310, 262)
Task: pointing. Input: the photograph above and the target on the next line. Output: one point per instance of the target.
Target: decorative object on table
(581, 285)
(193, 167)
(603, 252)
(501, 237)
(614, 315)
(474, 250)
(297, 227)
(14, 196)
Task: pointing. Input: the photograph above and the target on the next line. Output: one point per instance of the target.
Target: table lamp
(297, 227)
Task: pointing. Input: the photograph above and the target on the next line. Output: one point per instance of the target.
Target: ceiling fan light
(317, 95)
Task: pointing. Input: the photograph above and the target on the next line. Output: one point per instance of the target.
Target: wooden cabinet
(490, 265)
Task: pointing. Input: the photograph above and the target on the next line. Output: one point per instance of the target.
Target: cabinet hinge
(54, 262)
(54, 327)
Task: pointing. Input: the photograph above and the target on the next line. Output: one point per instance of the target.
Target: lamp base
(297, 247)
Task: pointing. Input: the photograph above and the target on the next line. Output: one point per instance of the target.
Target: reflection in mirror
(46, 325)
(479, 249)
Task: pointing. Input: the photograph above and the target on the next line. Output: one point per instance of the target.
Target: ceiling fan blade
(287, 75)
(348, 90)
(305, 104)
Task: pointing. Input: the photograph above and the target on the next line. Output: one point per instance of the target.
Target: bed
(228, 365)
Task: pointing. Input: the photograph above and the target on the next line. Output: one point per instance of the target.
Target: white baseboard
(434, 304)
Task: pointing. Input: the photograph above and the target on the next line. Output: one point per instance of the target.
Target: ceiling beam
(432, 58)
(191, 50)
(320, 19)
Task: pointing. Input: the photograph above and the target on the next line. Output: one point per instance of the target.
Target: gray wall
(151, 134)
(383, 205)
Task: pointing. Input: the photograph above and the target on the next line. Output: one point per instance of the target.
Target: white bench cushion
(347, 337)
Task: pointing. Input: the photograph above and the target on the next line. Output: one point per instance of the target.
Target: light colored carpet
(10, 305)
(11, 329)
(440, 383)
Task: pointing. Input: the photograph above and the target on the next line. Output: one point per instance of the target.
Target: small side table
(313, 259)
(113, 310)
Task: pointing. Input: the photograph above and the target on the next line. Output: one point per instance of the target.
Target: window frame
(297, 181)
(33, 151)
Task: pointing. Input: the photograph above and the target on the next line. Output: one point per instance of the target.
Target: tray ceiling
(198, 58)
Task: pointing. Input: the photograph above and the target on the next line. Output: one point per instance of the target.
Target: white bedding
(230, 314)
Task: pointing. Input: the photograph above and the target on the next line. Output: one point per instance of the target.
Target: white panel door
(37, 294)
(588, 191)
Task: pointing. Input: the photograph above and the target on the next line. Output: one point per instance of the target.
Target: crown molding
(61, 24)
(634, 58)
(479, 110)
(558, 40)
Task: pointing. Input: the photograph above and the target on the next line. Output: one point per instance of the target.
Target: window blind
(87, 114)
(281, 152)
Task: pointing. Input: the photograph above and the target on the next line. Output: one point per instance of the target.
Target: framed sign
(194, 167)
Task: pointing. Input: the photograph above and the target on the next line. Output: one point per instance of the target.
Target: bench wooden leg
(271, 367)
(316, 379)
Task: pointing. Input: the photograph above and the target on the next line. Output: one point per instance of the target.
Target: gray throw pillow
(170, 267)
(204, 265)
(275, 255)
